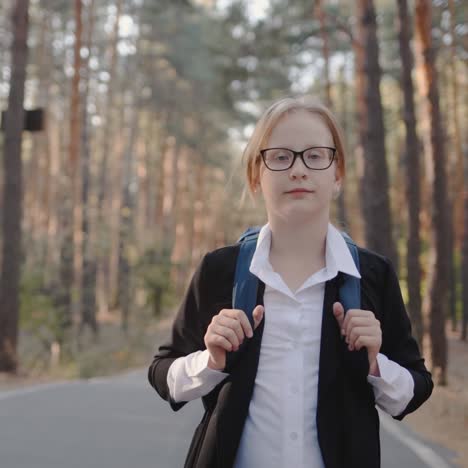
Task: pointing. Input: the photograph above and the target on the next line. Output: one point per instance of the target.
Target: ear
(257, 186)
(337, 184)
(338, 177)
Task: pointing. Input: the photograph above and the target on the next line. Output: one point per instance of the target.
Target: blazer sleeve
(187, 335)
(400, 346)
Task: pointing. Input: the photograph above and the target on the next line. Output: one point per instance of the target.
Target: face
(298, 131)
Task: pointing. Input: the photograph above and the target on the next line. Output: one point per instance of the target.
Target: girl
(291, 400)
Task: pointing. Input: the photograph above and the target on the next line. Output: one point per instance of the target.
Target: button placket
(294, 417)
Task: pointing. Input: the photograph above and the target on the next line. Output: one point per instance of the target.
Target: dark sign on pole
(34, 120)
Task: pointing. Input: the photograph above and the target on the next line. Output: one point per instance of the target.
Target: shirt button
(293, 435)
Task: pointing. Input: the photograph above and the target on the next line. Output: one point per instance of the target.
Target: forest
(123, 124)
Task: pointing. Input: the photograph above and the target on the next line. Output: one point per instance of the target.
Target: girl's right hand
(226, 332)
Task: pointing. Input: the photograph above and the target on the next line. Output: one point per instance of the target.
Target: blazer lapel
(329, 415)
(329, 341)
(235, 395)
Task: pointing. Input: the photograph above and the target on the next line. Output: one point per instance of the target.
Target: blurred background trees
(136, 173)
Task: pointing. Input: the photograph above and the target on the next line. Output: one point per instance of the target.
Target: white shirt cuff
(189, 377)
(394, 389)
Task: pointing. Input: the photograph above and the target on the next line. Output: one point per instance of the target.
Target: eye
(281, 155)
(315, 154)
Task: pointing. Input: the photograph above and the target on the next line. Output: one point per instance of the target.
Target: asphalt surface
(121, 422)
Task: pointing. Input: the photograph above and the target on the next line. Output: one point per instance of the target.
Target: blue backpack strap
(350, 289)
(350, 297)
(244, 293)
(251, 232)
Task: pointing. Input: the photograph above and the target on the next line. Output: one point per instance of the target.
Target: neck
(301, 241)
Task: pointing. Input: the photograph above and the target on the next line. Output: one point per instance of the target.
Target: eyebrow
(305, 146)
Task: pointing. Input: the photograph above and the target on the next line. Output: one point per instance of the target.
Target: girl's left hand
(361, 328)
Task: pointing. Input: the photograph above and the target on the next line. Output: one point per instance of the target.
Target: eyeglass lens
(282, 158)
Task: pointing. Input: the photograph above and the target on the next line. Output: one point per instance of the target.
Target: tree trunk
(412, 156)
(341, 208)
(115, 199)
(465, 255)
(53, 195)
(320, 13)
(13, 193)
(199, 206)
(360, 123)
(104, 192)
(70, 258)
(75, 153)
(457, 131)
(127, 218)
(458, 173)
(438, 283)
(451, 169)
(376, 203)
(44, 143)
(162, 186)
(37, 186)
(452, 274)
(108, 129)
(88, 279)
(181, 254)
(142, 189)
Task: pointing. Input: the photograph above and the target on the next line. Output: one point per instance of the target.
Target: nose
(298, 169)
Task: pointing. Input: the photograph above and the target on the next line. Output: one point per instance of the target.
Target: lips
(299, 191)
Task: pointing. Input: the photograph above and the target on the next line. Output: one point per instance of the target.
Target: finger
(366, 341)
(359, 321)
(354, 313)
(338, 312)
(241, 316)
(356, 332)
(232, 323)
(227, 333)
(222, 342)
(369, 332)
(258, 315)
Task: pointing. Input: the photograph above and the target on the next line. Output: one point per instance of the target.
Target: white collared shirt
(280, 428)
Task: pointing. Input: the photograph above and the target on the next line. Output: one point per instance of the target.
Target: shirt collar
(337, 254)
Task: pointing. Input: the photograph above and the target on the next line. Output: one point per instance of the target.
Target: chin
(297, 214)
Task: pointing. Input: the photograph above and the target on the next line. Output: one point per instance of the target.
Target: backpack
(244, 295)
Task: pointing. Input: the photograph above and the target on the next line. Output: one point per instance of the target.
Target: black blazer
(347, 420)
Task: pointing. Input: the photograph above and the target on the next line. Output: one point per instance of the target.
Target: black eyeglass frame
(296, 154)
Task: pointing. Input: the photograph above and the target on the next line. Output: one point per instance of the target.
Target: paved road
(121, 422)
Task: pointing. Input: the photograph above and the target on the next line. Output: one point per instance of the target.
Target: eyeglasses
(317, 158)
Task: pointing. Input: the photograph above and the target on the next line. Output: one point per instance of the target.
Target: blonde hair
(251, 156)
